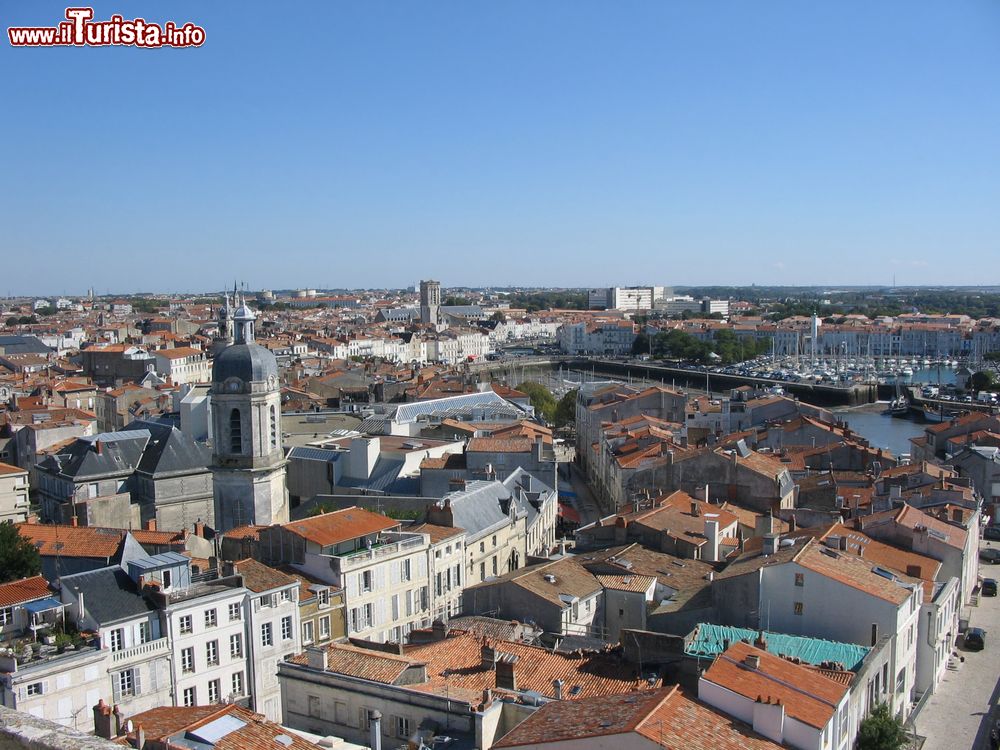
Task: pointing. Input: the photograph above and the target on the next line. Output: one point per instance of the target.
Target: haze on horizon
(569, 144)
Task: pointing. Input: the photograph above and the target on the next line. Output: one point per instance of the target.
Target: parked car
(989, 587)
(992, 532)
(990, 555)
(975, 639)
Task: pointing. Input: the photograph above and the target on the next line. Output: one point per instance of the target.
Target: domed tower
(224, 337)
(248, 464)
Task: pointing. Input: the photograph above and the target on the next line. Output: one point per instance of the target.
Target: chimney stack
(770, 544)
(752, 661)
(317, 658)
(102, 720)
(557, 686)
(375, 737)
(118, 722)
(694, 509)
(506, 667)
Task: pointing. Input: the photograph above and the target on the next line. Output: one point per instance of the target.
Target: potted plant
(36, 648)
(61, 642)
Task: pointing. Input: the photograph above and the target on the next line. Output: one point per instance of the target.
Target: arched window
(274, 427)
(235, 432)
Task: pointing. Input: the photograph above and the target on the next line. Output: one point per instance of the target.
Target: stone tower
(430, 301)
(248, 463)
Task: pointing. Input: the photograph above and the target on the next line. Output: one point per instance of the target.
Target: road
(586, 505)
(959, 714)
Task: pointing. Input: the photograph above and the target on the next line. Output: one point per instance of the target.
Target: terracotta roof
(634, 584)
(340, 525)
(363, 663)
(669, 718)
(259, 577)
(146, 536)
(854, 572)
(256, 733)
(72, 541)
(435, 532)
(500, 445)
(24, 590)
(8, 469)
(179, 352)
(807, 695)
(244, 532)
(457, 662)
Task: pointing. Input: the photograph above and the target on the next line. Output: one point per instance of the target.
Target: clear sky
(550, 142)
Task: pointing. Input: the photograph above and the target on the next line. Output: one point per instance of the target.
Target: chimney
(791, 523)
(375, 737)
(487, 697)
(97, 447)
(694, 509)
(487, 656)
(439, 629)
(770, 544)
(151, 524)
(118, 723)
(102, 720)
(706, 493)
(140, 737)
(557, 687)
(752, 661)
(507, 672)
(74, 521)
(874, 633)
(199, 529)
(317, 658)
(712, 535)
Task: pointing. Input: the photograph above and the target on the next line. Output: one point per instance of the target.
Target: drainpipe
(375, 735)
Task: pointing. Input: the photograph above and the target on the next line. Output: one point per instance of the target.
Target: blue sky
(542, 142)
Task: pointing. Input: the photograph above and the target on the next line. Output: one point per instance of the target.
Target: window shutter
(45, 687)
(152, 675)
(22, 693)
(136, 682)
(116, 689)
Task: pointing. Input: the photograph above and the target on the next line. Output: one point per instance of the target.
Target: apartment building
(382, 570)
(13, 493)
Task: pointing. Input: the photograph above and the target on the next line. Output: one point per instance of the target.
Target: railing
(362, 557)
(142, 651)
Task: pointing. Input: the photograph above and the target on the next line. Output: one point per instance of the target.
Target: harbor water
(881, 430)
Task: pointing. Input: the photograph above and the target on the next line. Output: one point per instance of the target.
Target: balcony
(389, 545)
(141, 652)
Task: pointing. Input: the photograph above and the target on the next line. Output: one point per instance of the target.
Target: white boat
(907, 372)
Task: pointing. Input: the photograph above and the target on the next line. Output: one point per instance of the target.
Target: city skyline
(775, 145)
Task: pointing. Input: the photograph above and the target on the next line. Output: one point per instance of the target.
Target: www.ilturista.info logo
(80, 30)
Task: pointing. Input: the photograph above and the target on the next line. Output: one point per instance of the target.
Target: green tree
(881, 731)
(983, 380)
(498, 317)
(541, 398)
(18, 556)
(455, 301)
(566, 409)
(641, 344)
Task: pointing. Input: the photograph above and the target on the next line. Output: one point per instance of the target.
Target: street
(959, 714)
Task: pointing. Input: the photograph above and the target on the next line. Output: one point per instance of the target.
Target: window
(35, 688)
(800, 579)
(286, 595)
(185, 624)
(189, 696)
(274, 428)
(900, 680)
(402, 727)
(266, 634)
(211, 618)
(314, 706)
(167, 579)
(237, 683)
(286, 628)
(6, 616)
(366, 581)
(307, 632)
(235, 612)
(324, 627)
(187, 659)
(213, 691)
(369, 615)
(117, 639)
(365, 718)
(235, 432)
(494, 540)
(482, 570)
(236, 645)
(482, 546)
(145, 632)
(323, 597)
(798, 608)
(494, 564)
(212, 653)
(127, 683)
(404, 573)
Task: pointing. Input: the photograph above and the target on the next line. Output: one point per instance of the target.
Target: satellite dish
(128, 726)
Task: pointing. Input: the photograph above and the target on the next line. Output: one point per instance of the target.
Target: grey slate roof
(480, 507)
(109, 595)
(169, 450)
(23, 345)
(485, 404)
(248, 362)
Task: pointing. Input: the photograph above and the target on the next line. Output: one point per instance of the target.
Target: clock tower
(248, 463)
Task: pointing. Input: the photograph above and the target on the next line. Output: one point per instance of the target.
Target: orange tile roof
(500, 445)
(244, 532)
(257, 733)
(363, 663)
(854, 572)
(259, 577)
(435, 532)
(8, 469)
(668, 717)
(24, 590)
(340, 525)
(72, 541)
(807, 695)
